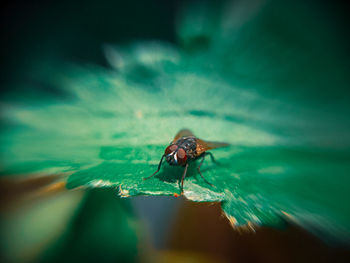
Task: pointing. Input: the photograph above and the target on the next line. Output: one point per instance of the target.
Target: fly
(186, 148)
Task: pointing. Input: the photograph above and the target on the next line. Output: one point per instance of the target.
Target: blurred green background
(96, 90)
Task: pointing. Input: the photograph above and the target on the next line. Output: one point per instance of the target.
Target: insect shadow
(172, 174)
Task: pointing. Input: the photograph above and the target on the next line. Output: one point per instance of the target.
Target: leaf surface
(250, 87)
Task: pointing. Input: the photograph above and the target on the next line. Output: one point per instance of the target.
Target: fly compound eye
(181, 156)
(170, 149)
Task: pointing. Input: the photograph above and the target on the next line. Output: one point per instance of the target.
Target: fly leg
(212, 157)
(200, 164)
(159, 165)
(183, 178)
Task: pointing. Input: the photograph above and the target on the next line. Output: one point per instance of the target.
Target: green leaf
(264, 84)
(102, 228)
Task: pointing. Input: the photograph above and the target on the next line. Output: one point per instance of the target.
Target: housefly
(186, 148)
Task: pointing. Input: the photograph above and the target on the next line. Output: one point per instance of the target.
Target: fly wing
(182, 133)
(203, 146)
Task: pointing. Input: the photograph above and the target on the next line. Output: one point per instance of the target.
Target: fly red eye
(181, 155)
(170, 149)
